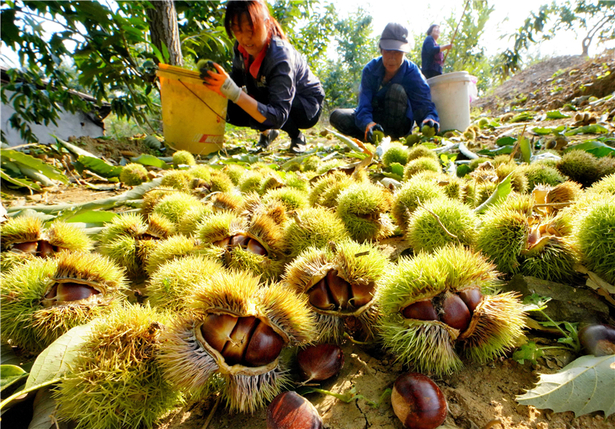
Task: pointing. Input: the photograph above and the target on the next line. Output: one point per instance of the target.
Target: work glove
(430, 128)
(374, 133)
(220, 82)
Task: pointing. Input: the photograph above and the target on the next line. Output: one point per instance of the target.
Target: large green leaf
(10, 374)
(556, 114)
(588, 129)
(583, 386)
(99, 166)
(151, 160)
(525, 146)
(504, 150)
(56, 359)
(34, 163)
(92, 217)
(596, 148)
(22, 183)
(506, 141)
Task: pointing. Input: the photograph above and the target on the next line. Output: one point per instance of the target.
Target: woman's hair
(429, 30)
(256, 11)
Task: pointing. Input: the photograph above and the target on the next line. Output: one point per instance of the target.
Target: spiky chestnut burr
(407, 198)
(152, 197)
(183, 157)
(395, 153)
(421, 164)
(173, 206)
(362, 208)
(236, 333)
(180, 180)
(518, 180)
(128, 239)
(314, 226)
(192, 217)
(580, 166)
(25, 237)
(436, 306)
(116, 380)
(325, 190)
(421, 151)
(170, 286)
(440, 222)
(606, 185)
(133, 174)
(341, 282)
(251, 181)
(594, 234)
(171, 248)
(541, 174)
(43, 298)
(292, 198)
(234, 172)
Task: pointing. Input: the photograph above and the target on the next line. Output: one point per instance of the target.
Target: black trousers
(431, 73)
(390, 113)
(297, 119)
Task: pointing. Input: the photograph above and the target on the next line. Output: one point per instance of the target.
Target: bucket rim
(461, 76)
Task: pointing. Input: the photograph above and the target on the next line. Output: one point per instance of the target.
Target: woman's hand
(222, 83)
(446, 47)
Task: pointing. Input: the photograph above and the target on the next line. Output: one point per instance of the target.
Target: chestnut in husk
(598, 340)
(418, 402)
(290, 410)
(320, 362)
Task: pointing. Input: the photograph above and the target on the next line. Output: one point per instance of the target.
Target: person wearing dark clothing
(393, 94)
(432, 57)
(279, 89)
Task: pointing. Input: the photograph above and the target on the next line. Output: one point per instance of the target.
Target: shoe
(267, 138)
(298, 144)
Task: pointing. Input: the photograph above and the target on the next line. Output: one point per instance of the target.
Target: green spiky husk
(267, 227)
(232, 291)
(234, 172)
(183, 157)
(292, 198)
(327, 166)
(454, 188)
(202, 172)
(180, 180)
(463, 268)
(192, 217)
(33, 327)
(169, 249)
(133, 174)
(20, 229)
(523, 204)
(170, 286)
(297, 181)
(124, 250)
(314, 227)
(518, 180)
(219, 226)
(327, 188)
(606, 185)
(360, 207)
(594, 235)
(69, 237)
(580, 166)
(220, 182)
(421, 164)
(185, 363)
(396, 153)
(311, 163)
(421, 151)
(251, 181)
(241, 259)
(407, 198)
(502, 237)
(126, 224)
(425, 346)
(554, 262)
(426, 233)
(173, 206)
(116, 381)
(249, 393)
(501, 320)
(152, 197)
(10, 259)
(270, 182)
(538, 173)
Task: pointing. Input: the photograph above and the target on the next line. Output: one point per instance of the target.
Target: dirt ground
(479, 397)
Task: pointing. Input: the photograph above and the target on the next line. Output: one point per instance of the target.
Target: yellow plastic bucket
(193, 117)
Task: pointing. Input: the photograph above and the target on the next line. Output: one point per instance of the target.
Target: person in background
(432, 57)
(393, 94)
(279, 89)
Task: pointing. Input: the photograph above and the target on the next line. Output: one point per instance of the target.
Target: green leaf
(556, 114)
(529, 352)
(500, 194)
(10, 374)
(588, 129)
(504, 150)
(522, 117)
(34, 163)
(151, 160)
(100, 167)
(596, 148)
(22, 183)
(583, 386)
(92, 217)
(56, 359)
(397, 169)
(43, 413)
(75, 149)
(506, 141)
(8, 356)
(525, 146)
(463, 169)
(548, 130)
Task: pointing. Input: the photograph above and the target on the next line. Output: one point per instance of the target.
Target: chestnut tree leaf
(44, 409)
(583, 386)
(10, 374)
(55, 359)
(500, 194)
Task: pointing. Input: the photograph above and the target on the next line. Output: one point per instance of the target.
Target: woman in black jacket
(279, 89)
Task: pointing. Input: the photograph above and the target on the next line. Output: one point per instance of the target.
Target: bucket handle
(203, 101)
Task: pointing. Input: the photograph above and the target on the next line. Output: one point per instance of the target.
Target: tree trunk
(163, 29)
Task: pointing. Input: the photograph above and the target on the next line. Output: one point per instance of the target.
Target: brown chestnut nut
(420, 310)
(317, 363)
(471, 298)
(598, 340)
(456, 313)
(418, 402)
(290, 410)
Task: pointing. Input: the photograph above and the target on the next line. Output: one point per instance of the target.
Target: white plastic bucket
(451, 94)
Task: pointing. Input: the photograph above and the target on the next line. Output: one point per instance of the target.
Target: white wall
(69, 124)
